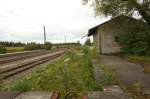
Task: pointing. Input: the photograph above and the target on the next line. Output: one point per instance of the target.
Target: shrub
(136, 40)
(48, 45)
(2, 49)
(107, 76)
(88, 42)
(85, 50)
(33, 46)
(22, 86)
(147, 69)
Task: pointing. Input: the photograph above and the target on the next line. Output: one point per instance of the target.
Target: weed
(108, 76)
(22, 86)
(137, 86)
(0, 85)
(143, 60)
(147, 69)
(139, 58)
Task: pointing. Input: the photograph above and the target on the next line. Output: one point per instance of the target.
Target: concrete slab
(128, 73)
(8, 95)
(34, 95)
(110, 92)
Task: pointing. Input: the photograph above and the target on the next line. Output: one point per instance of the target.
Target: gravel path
(127, 72)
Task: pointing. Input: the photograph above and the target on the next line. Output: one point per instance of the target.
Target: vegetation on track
(71, 75)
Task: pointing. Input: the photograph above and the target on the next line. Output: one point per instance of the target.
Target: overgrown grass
(71, 75)
(108, 76)
(143, 60)
(0, 85)
(14, 49)
(139, 58)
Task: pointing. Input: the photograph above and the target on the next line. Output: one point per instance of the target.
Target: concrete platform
(110, 92)
(8, 95)
(26, 95)
(34, 95)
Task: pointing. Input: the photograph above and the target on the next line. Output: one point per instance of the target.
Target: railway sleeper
(10, 72)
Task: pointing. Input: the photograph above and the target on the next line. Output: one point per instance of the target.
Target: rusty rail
(23, 67)
(55, 95)
(7, 58)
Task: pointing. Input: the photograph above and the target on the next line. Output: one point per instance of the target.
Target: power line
(23, 19)
(18, 15)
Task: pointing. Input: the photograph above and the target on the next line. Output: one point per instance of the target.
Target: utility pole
(44, 35)
(65, 39)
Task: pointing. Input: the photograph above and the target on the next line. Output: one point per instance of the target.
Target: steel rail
(19, 53)
(20, 57)
(23, 55)
(23, 67)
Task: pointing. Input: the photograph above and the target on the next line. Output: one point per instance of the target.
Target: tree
(78, 43)
(135, 40)
(125, 7)
(48, 45)
(88, 42)
(33, 46)
(2, 49)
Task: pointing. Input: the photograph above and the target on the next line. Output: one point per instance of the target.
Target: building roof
(93, 30)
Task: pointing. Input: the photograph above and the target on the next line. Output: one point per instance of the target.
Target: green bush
(88, 42)
(48, 45)
(22, 86)
(33, 46)
(136, 40)
(2, 49)
(86, 50)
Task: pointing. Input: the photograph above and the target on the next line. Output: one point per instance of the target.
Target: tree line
(12, 44)
(20, 44)
(34, 46)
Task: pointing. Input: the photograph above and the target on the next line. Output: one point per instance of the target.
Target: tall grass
(108, 76)
(139, 58)
(14, 49)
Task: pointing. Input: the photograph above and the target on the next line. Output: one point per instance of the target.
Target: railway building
(106, 35)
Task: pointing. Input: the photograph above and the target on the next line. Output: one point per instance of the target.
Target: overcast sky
(23, 20)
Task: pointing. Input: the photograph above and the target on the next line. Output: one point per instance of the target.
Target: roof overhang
(92, 31)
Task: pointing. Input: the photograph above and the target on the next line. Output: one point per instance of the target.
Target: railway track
(13, 70)
(19, 53)
(7, 58)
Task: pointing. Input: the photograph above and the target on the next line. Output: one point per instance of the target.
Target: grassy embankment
(14, 49)
(71, 75)
(143, 60)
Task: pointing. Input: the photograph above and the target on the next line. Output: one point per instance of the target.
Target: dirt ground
(127, 72)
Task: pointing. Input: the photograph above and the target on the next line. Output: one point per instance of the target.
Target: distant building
(106, 34)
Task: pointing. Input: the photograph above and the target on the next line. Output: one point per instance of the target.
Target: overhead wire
(23, 19)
